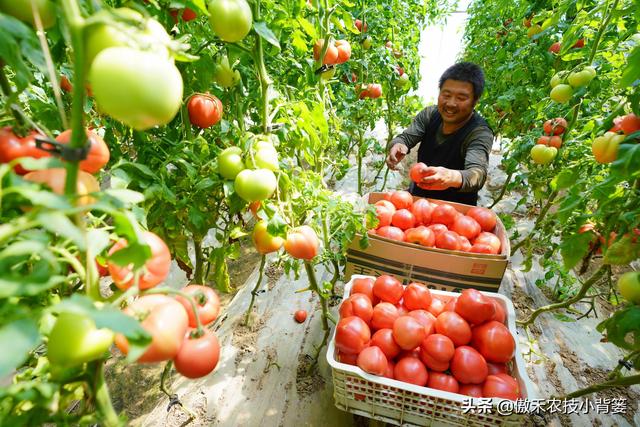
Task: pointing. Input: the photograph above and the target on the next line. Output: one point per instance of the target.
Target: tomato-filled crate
(406, 404)
(437, 268)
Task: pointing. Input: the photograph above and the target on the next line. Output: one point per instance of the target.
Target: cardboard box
(437, 268)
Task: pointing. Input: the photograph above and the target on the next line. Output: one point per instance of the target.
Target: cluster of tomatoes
(547, 146)
(436, 225)
(605, 147)
(456, 344)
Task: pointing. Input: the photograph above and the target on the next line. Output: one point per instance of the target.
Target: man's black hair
(465, 72)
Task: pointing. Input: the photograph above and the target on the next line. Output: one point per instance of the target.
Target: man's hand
(396, 154)
(439, 178)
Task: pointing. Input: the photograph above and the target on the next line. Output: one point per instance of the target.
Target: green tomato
(141, 89)
(561, 93)
(366, 43)
(264, 158)
(629, 286)
(21, 9)
(580, 78)
(557, 79)
(255, 185)
(533, 30)
(75, 339)
(328, 75)
(543, 155)
(231, 20)
(402, 80)
(102, 36)
(230, 162)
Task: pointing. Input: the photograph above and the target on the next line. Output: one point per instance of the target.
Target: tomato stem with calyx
(586, 285)
(254, 291)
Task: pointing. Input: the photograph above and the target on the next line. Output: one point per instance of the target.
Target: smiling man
(454, 140)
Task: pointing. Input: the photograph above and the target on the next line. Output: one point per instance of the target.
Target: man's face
(455, 101)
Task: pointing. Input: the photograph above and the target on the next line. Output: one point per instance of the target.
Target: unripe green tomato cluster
(542, 154)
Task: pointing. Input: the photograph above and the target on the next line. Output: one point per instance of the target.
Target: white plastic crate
(405, 404)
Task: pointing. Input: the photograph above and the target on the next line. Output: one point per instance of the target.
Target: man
(454, 140)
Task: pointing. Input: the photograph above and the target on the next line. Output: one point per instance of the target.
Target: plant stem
(197, 275)
(601, 30)
(163, 378)
(256, 288)
(503, 190)
(586, 285)
(618, 382)
(105, 409)
(265, 81)
(360, 155)
(384, 181)
(313, 286)
(541, 215)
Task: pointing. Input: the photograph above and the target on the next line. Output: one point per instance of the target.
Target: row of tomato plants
(191, 128)
(564, 93)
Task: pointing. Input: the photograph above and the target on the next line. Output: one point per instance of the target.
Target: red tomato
(555, 141)
(501, 385)
(302, 243)
(330, 56)
(391, 232)
(384, 215)
(496, 368)
(437, 229)
(443, 382)
(349, 359)
(420, 235)
(436, 307)
(364, 286)
(402, 310)
(13, 147)
(265, 242)
(465, 245)
(383, 338)
(373, 361)
(165, 320)
(416, 296)
(486, 218)
(444, 214)
(344, 51)
(494, 341)
(300, 316)
(466, 226)
(374, 90)
(384, 315)
(357, 305)
(500, 315)
(432, 363)
(358, 24)
(481, 248)
(205, 110)
(352, 335)
(489, 239)
(65, 84)
(422, 210)
(98, 155)
(388, 289)
(630, 124)
(438, 346)
(198, 356)
(411, 370)
(401, 199)
(155, 269)
(448, 240)
(403, 219)
(543, 140)
(387, 204)
(417, 172)
(451, 304)
(453, 326)
(426, 319)
(55, 178)
(408, 332)
(390, 368)
(207, 304)
(473, 390)
(555, 126)
(468, 366)
(475, 307)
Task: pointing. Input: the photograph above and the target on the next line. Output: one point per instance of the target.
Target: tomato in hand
(75, 339)
(411, 370)
(453, 326)
(468, 366)
(357, 305)
(494, 341)
(416, 296)
(388, 289)
(372, 360)
(408, 332)
(444, 382)
(98, 155)
(501, 385)
(475, 307)
(302, 243)
(205, 110)
(383, 338)
(198, 356)
(207, 304)
(165, 319)
(155, 270)
(352, 335)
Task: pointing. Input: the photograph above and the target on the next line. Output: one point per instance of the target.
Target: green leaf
(97, 241)
(32, 164)
(135, 253)
(563, 318)
(627, 164)
(59, 223)
(621, 252)
(264, 32)
(623, 328)
(631, 73)
(125, 196)
(565, 179)
(308, 27)
(20, 336)
(574, 248)
(43, 198)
